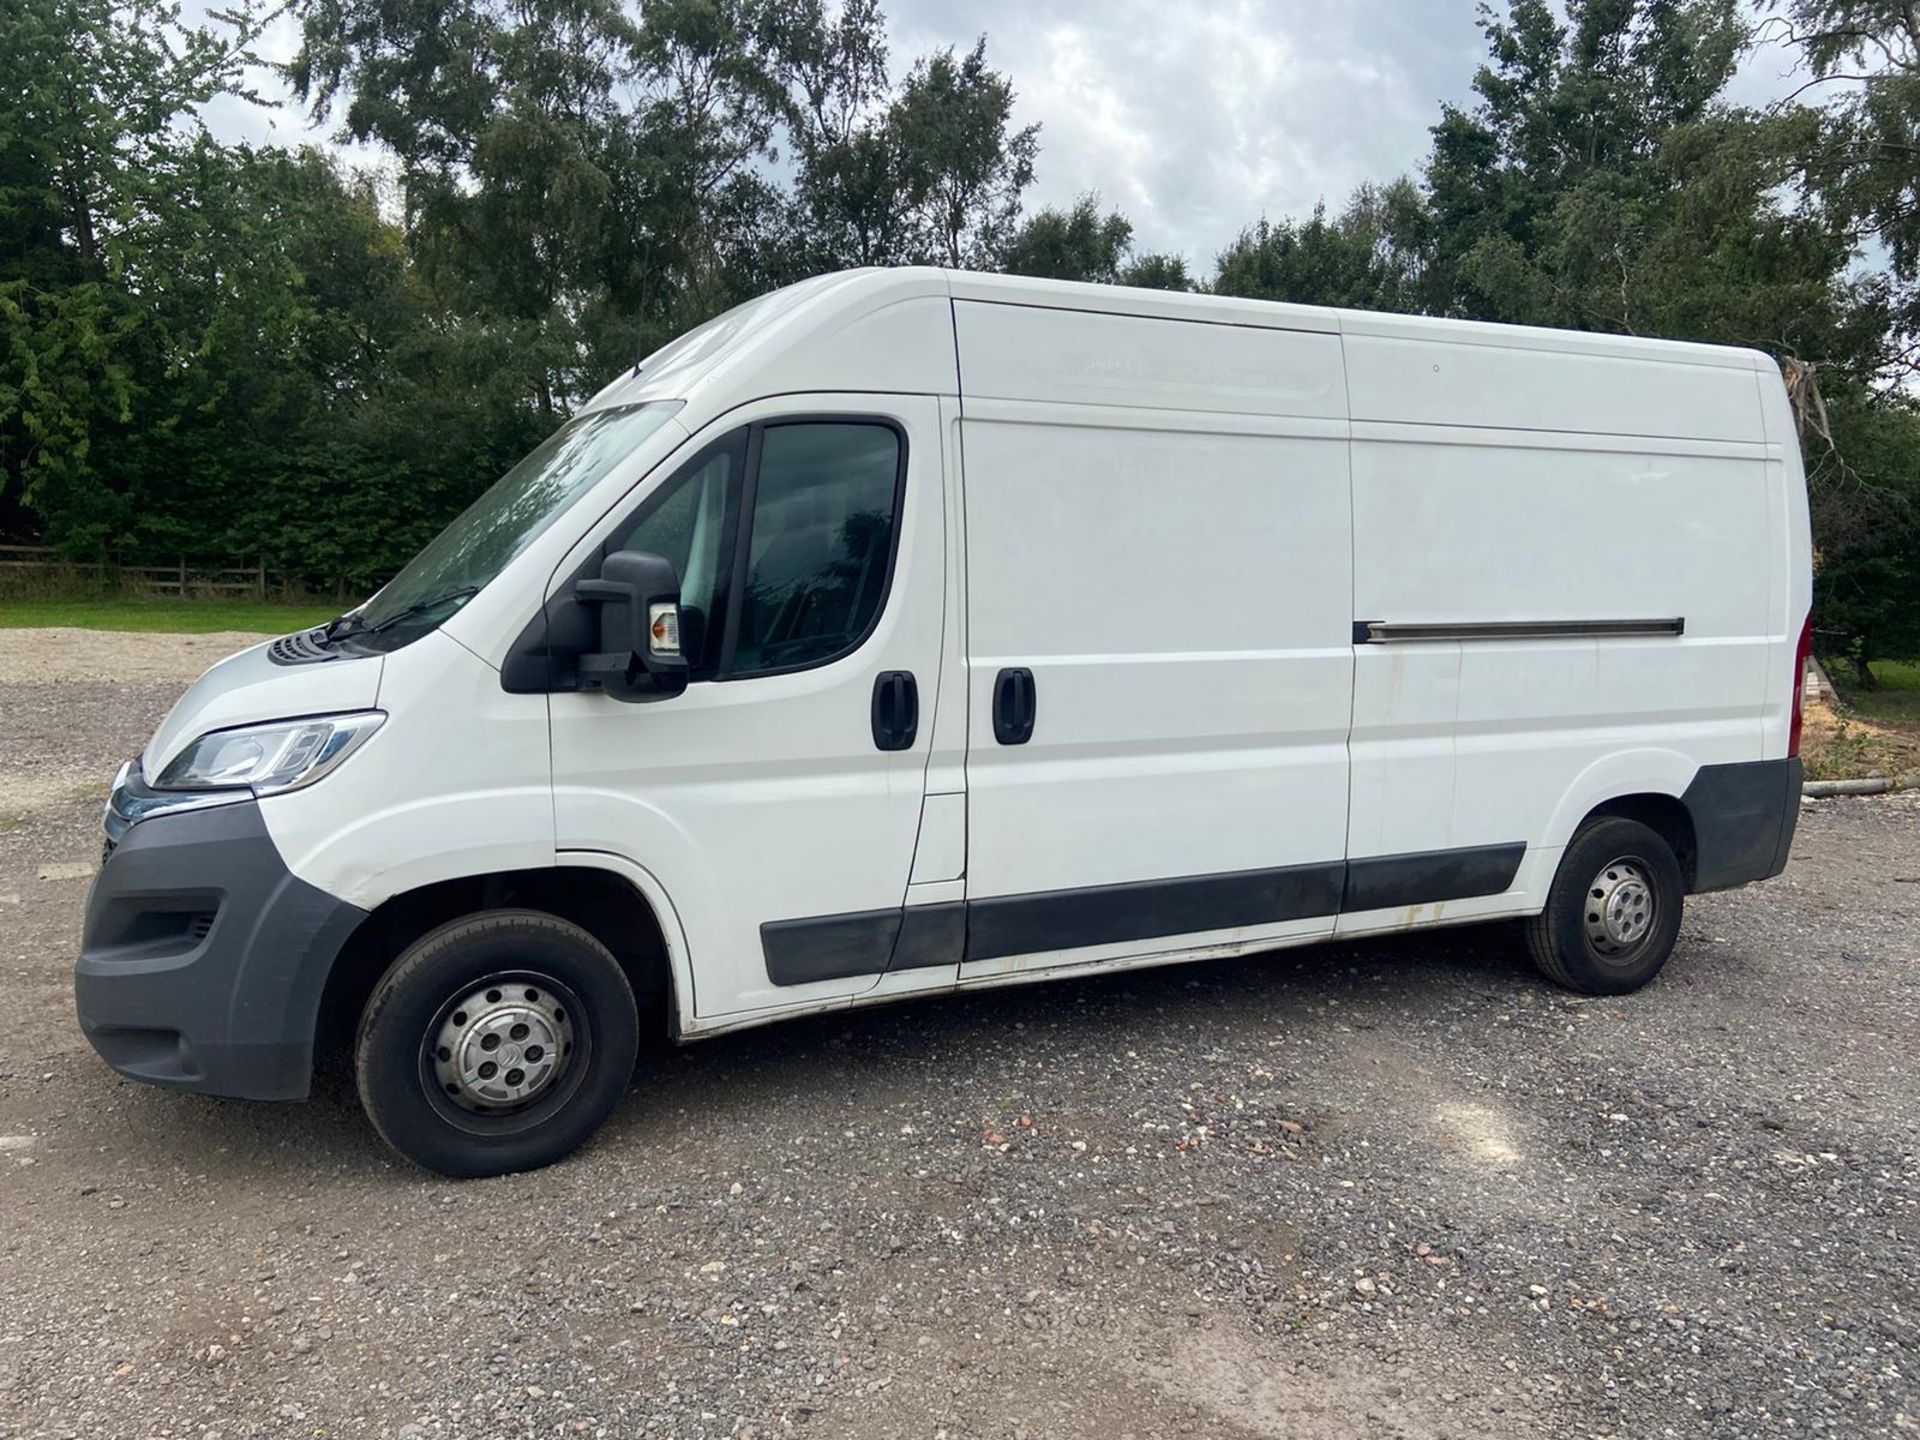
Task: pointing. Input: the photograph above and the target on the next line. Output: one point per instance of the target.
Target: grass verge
(180, 617)
(1868, 733)
(1896, 701)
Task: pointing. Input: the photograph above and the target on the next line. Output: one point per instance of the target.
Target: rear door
(1158, 635)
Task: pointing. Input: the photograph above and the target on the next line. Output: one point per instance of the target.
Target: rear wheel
(1613, 914)
(496, 1043)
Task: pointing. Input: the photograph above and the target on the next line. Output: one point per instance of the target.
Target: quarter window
(690, 521)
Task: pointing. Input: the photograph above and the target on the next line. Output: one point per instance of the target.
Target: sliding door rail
(1388, 632)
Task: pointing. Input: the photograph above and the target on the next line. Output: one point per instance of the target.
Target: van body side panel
(1626, 503)
(1473, 379)
(1071, 357)
(1176, 584)
(860, 332)
(941, 854)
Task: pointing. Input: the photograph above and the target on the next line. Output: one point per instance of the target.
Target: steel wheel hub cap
(502, 1044)
(1620, 907)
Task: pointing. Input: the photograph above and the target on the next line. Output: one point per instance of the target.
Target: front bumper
(204, 958)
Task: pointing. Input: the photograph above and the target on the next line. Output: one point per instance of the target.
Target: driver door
(769, 800)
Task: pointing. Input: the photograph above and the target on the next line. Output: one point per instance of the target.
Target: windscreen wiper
(420, 607)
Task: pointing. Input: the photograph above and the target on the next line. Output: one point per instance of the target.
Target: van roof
(782, 331)
(1282, 315)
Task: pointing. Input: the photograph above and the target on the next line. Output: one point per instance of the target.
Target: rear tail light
(1802, 655)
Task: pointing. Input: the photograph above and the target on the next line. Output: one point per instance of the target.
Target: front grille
(200, 926)
(306, 647)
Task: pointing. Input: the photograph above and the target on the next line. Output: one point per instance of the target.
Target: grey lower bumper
(204, 958)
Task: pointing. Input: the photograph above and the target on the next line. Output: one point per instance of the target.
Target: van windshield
(462, 559)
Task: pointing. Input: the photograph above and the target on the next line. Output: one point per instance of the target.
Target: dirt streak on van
(907, 630)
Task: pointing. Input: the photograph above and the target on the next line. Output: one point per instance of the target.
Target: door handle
(1014, 704)
(896, 710)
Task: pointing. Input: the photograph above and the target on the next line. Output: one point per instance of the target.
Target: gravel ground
(1400, 1189)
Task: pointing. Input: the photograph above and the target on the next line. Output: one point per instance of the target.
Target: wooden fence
(38, 563)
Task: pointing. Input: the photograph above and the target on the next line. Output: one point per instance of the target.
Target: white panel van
(904, 631)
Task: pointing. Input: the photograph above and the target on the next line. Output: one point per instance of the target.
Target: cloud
(1196, 118)
(1193, 117)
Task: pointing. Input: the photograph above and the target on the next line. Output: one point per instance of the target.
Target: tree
(1075, 244)
(1866, 472)
(1862, 157)
(1367, 257)
(1158, 271)
(965, 167)
(850, 204)
(1570, 127)
(99, 150)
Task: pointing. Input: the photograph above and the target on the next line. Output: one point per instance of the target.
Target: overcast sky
(1194, 117)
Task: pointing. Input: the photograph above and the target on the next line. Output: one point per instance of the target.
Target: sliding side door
(1159, 661)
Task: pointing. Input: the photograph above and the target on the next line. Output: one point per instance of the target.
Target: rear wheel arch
(600, 900)
(1666, 815)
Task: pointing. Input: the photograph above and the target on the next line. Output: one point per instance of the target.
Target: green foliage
(1867, 581)
(1076, 244)
(1862, 158)
(93, 168)
(1366, 258)
(1602, 184)
(965, 168)
(1082, 244)
(215, 350)
(1158, 271)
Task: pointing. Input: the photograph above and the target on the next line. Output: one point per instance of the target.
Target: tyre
(1613, 913)
(496, 1043)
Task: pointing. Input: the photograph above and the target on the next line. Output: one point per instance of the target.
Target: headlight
(268, 759)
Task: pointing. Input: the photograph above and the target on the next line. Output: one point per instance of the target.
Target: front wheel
(496, 1043)
(1613, 914)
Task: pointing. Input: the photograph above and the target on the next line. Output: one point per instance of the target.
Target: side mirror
(638, 594)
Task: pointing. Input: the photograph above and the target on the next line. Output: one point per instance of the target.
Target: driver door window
(820, 546)
(804, 584)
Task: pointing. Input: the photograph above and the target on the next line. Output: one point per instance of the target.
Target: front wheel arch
(600, 901)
